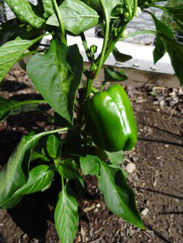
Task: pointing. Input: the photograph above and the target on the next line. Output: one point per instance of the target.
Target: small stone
(130, 168)
(96, 210)
(162, 103)
(173, 94)
(145, 212)
(180, 92)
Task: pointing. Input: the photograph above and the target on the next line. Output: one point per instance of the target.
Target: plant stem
(19, 103)
(94, 90)
(59, 130)
(106, 36)
(101, 57)
(41, 134)
(153, 32)
(89, 87)
(86, 47)
(62, 180)
(59, 17)
(112, 43)
(31, 102)
(135, 7)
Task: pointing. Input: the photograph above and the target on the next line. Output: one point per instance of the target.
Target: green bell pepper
(110, 120)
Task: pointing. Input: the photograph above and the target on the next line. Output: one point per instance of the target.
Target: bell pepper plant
(93, 126)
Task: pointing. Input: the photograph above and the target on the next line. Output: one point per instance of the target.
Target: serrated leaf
(53, 145)
(118, 195)
(11, 52)
(66, 217)
(56, 75)
(76, 16)
(90, 165)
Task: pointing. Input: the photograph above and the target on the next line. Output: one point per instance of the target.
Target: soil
(154, 167)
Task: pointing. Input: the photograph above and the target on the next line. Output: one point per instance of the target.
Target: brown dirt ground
(155, 169)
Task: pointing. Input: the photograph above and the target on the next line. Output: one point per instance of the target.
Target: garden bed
(154, 167)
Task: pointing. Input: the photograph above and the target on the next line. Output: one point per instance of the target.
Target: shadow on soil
(12, 86)
(162, 193)
(160, 236)
(34, 211)
(160, 141)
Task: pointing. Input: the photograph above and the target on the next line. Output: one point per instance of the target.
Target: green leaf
(175, 51)
(76, 188)
(53, 145)
(130, 6)
(10, 30)
(159, 49)
(66, 217)
(69, 169)
(116, 157)
(36, 155)
(176, 12)
(73, 141)
(76, 16)
(120, 57)
(140, 32)
(90, 165)
(56, 75)
(48, 7)
(118, 195)
(93, 4)
(40, 179)
(112, 75)
(11, 107)
(109, 5)
(14, 174)
(11, 52)
(162, 28)
(24, 11)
